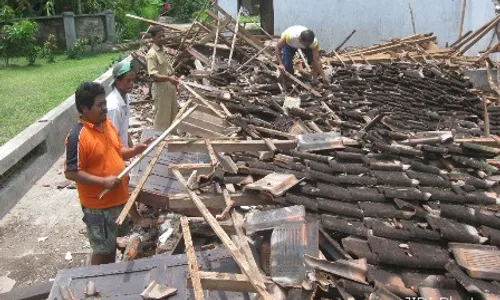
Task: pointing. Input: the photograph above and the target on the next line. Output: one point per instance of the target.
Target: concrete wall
(69, 27)
(91, 26)
(378, 20)
(18, 173)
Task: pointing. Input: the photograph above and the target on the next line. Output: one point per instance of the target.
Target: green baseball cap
(121, 68)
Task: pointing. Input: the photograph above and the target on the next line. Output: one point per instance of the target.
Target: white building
(374, 20)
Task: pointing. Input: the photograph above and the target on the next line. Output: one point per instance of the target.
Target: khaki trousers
(165, 104)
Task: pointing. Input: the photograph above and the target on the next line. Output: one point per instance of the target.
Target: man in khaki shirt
(164, 89)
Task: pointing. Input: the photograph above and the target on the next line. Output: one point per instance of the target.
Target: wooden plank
(182, 201)
(237, 27)
(193, 267)
(238, 256)
(240, 238)
(140, 185)
(275, 132)
(211, 152)
(214, 281)
(252, 58)
(169, 26)
(228, 145)
(203, 100)
(480, 35)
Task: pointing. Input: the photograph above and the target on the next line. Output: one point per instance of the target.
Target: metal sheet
(320, 141)
(288, 247)
(270, 219)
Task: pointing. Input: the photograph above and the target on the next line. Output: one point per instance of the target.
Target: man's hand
(110, 182)
(326, 81)
(173, 79)
(139, 148)
(281, 68)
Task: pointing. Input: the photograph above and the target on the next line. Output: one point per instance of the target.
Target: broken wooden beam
(193, 268)
(238, 256)
(228, 145)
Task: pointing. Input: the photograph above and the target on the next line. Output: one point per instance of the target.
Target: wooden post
(345, 40)
(194, 271)
(238, 256)
(236, 29)
(412, 19)
(140, 184)
(486, 118)
(203, 100)
(462, 17)
(215, 44)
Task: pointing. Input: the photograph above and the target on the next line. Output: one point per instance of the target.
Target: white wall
(230, 6)
(378, 20)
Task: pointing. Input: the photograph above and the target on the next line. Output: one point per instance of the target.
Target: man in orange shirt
(94, 157)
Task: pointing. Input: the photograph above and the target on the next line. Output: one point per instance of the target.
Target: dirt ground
(39, 231)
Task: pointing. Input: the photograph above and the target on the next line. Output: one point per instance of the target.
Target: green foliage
(19, 38)
(128, 28)
(185, 11)
(49, 48)
(50, 8)
(77, 50)
(6, 13)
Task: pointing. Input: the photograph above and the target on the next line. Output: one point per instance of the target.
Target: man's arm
(279, 46)
(317, 67)
(83, 177)
(154, 73)
(128, 153)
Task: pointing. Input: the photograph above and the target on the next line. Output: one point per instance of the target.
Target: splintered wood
(238, 256)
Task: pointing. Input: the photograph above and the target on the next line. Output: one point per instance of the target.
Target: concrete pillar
(69, 29)
(110, 25)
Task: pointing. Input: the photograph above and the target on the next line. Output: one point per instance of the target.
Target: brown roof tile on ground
(453, 230)
(391, 281)
(384, 210)
(341, 208)
(359, 248)
(345, 226)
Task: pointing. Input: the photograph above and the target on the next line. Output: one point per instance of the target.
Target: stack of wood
(421, 48)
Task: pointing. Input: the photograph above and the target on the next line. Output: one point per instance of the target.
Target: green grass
(28, 92)
(250, 19)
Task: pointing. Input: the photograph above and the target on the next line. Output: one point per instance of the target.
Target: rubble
(380, 180)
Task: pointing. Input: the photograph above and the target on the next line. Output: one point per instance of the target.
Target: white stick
(234, 38)
(215, 44)
(153, 145)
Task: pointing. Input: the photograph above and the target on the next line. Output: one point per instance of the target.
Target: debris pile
(378, 186)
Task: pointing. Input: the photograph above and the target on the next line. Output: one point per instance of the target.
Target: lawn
(28, 92)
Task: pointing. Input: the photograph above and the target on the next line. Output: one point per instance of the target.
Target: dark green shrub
(77, 50)
(19, 39)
